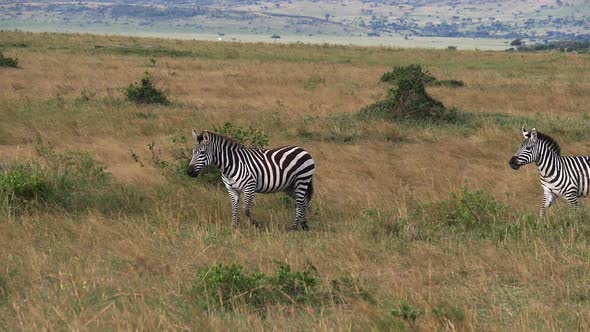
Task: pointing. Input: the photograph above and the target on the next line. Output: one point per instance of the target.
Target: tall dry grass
(133, 269)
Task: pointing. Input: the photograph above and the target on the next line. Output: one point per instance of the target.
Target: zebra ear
(195, 135)
(525, 133)
(205, 136)
(534, 135)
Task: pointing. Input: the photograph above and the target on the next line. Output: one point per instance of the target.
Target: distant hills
(538, 20)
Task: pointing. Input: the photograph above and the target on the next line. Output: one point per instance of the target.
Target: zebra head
(528, 151)
(201, 154)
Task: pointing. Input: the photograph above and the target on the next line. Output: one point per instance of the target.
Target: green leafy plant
(250, 137)
(227, 287)
(146, 92)
(22, 182)
(8, 61)
(71, 181)
(414, 71)
(182, 147)
(466, 209)
(407, 98)
(406, 312)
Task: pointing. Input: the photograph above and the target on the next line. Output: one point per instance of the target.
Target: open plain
(423, 225)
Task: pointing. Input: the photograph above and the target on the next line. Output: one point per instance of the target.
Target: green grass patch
(313, 82)
(8, 61)
(475, 215)
(228, 287)
(69, 181)
(145, 51)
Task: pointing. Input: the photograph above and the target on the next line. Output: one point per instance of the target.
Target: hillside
(538, 21)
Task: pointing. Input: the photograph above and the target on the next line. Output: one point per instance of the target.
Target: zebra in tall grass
(565, 176)
(288, 169)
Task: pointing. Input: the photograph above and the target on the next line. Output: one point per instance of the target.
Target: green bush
(227, 287)
(146, 92)
(406, 312)
(8, 61)
(251, 137)
(474, 214)
(182, 152)
(220, 287)
(72, 181)
(466, 209)
(413, 70)
(407, 99)
(22, 183)
(465, 214)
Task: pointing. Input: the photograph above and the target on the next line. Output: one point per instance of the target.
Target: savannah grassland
(126, 253)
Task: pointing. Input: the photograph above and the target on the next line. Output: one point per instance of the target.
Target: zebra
(565, 176)
(287, 169)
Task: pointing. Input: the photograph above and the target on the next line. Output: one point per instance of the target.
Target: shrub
(466, 209)
(21, 183)
(251, 137)
(146, 92)
(227, 287)
(414, 71)
(220, 287)
(70, 181)
(183, 147)
(406, 312)
(8, 61)
(407, 99)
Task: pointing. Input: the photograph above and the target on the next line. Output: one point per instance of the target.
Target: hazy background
(486, 24)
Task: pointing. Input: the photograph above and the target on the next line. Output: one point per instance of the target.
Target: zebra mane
(222, 138)
(551, 143)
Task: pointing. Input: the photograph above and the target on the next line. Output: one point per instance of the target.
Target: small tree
(146, 92)
(407, 97)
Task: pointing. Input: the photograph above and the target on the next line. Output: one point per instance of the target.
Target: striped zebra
(288, 169)
(565, 176)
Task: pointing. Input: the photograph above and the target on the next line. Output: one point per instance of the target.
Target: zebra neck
(226, 159)
(549, 164)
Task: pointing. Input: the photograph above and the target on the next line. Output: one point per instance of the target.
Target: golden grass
(87, 271)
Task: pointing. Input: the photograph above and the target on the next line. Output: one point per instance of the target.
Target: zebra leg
(248, 200)
(548, 199)
(235, 200)
(302, 213)
(572, 198)
(302, 201)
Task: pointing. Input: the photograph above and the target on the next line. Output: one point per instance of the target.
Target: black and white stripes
(565, 176)
(289, 169)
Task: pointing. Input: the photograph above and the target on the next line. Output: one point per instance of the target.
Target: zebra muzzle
(191, 171)
(513, 163)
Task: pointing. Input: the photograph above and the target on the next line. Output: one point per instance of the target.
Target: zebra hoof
(256, 224)
(292, 228)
